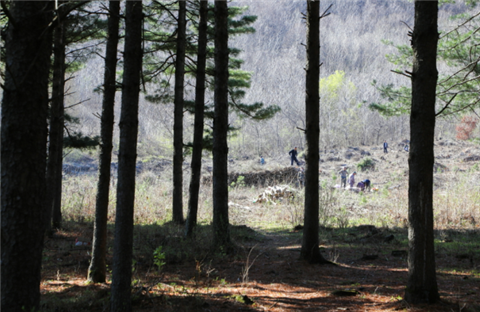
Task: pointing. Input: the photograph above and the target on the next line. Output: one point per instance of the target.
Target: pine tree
(177, 204)
(28, 46)
(72, 27)
(123, 244)
(221, 231)
(422, 283)
(310, 250)
(97, 269)
(199, 119)
(458, 89)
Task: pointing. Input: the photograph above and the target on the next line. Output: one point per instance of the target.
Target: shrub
(366, 164)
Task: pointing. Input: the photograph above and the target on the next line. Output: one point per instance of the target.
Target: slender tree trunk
(57, 200)
(198, 125)
(55, 146)
(28, 47)
(221, 230)
(310, 250)
(177, 207)
(97, 270)
(122, 252)
(422, 284)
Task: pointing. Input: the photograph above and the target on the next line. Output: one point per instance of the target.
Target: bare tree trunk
(310, 250)
(221, 232)
(97, 269)
(198, 126)
(177, 204)
(422, 283)
(122, 252)
(28, 47)
(55, 146)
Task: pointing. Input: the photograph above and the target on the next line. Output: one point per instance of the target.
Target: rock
(472, 158)
(348, 155)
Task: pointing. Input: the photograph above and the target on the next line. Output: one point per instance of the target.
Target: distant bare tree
(122, 251)
(422, 283)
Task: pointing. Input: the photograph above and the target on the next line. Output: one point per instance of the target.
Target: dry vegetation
(363, 233)
(351, 42)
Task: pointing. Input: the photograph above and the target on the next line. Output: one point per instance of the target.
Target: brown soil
(367, 277)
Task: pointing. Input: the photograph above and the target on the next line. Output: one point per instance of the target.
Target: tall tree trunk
(198, 125)
(310, 250)
(28, 48)
(177, 205)
(422, 284)
(55, 146)
(221, 232)
(97, 269)
(122, 251)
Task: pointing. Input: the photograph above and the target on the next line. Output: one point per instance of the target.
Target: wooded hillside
(351, 46)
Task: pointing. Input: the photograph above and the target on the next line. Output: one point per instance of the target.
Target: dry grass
(265, 274)
(456, 203)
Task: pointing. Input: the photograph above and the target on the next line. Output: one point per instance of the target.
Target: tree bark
(97, 269)
(28, 47)
(221, 232)
(122, 252)
(310, 250)
(55, 146)
(196, 165)
(177, 205)
(422, 284)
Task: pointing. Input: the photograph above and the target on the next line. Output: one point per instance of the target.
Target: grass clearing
(365, 234)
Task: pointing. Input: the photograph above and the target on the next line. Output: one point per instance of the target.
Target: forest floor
(265, 273)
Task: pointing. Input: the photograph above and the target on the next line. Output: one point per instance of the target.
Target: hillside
(351, 43)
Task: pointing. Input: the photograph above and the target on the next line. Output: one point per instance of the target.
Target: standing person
(262, 160)
(301, 177)
(351, 179)
(293, 156)
(385, 146)
(343, 174)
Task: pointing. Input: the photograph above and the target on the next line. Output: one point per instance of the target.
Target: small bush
(366, 164)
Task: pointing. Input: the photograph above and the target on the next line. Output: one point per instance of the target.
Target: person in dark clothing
(385, 146)
(293, 156)
(364, 185)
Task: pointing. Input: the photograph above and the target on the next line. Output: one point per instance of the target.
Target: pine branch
(460, 25)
